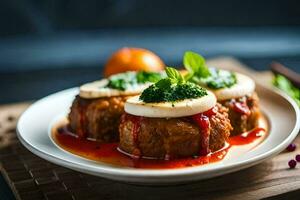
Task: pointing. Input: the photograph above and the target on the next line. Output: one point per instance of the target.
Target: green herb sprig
(195, 65)
(171, 89)
(125, 80)
(199, 73)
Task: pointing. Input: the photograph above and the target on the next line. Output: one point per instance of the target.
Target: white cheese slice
(97, 89)
(245, 85)
(182, 108)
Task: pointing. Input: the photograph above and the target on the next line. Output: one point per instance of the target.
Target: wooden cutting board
(31, 177)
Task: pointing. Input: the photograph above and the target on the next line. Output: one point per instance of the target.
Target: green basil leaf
(195, 64)
(175, 75)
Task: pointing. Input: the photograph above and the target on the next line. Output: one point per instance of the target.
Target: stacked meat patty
(243, 113)
(96, 111)
(172, 137)
(97, 118)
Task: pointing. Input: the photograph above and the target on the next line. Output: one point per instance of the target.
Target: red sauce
(211, 112)
(247, 137)
(136, 120)
(204, 124)
(109, 153)
(241, 107)
(202, 120)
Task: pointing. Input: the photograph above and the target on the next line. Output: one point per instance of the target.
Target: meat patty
(97, 118)
(171, 137)
(243, 113)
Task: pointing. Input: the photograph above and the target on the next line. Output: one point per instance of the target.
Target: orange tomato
(133, 59)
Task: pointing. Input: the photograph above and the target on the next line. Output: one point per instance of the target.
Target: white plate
(34, 125)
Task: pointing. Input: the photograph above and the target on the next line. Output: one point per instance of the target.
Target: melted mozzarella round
(182, 108)
(97, 89)
(245, 85)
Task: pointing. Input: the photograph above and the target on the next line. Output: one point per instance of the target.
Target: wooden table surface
(31, 177)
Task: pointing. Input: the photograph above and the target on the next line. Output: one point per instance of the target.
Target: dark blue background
(49, 45)
(44, 17)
